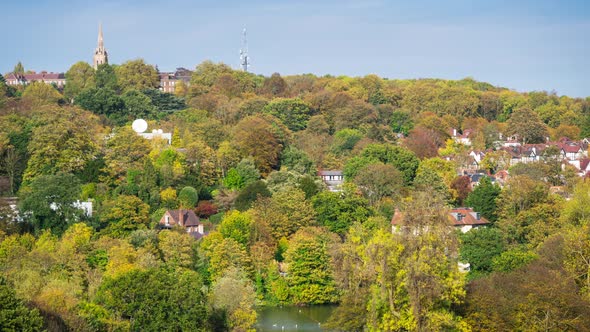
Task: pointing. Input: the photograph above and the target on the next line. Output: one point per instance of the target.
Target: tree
(47, 202)
(137, 106)
(176, 248)
(125, 150)
(345, 140)
(377, 181)
(402, 159)
(483, 199)
(14, 314)
(250, 194)
(527, 125)
(424, 142)
(255, 136)
(39, 94)
(537, 297)
(105, 78)
(479, 247)
(296, 160)
(19, 69)
(66, 142)
(156, 300)
(137, 75)
(401, 122)
(294, 113)
(188, 197)
(242, 175)
(338, 211)
(123, 215)
(461, 187)
(102, 101)
(234, 294)
(236, 225)
(432, 278)
(274, 85)
(79, 77)
(299, 213)
(428, 180)
(310, 276)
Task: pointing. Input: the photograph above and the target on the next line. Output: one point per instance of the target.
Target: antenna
(244, 59)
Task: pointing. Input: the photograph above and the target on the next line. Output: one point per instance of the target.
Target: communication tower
(244, 59)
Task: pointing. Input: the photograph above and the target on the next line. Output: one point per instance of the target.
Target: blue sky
(523, 45)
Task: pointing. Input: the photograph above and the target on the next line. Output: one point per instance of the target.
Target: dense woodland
(244, 156)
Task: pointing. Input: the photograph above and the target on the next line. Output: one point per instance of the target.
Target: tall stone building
(100, 54)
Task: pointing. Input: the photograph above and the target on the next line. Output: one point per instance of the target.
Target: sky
(529, 45)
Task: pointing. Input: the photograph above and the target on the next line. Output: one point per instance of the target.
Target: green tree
(479, 247)
(39, 94)
(236, 225)
(19, 69)
(79, 77)
(401, 158)
(188, 197)
(294, 113)
(14, 314)
(310, 275)
(297, 160)
(345, 140)
(47, 202)
(483, 199)
(101, 101)
(338, 211)
(137, 75)
(242, 175)
(137, 106)
(250, 194)
(157, 300)
(105, 77)
(234, 294)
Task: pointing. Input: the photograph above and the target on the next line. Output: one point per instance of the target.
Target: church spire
(100, 41)
(100, 54)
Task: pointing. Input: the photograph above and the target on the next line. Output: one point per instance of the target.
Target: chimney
(180, 221)
(200, 229)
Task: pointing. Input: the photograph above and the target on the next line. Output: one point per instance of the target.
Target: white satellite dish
(139, 125)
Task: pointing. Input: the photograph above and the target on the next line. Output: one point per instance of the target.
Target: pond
(291, 319)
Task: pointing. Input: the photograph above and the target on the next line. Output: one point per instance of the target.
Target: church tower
(100, 54)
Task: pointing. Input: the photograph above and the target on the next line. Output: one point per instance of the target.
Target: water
(293, 319)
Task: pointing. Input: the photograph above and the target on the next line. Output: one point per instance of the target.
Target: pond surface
(292, 319)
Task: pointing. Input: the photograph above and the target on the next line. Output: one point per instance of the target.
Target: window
(167, 220)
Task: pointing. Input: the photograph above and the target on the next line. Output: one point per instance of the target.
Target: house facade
(168, 80)
(183, 218)
(58, 79)
(333, 179)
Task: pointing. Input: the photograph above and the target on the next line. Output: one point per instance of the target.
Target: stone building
(100, 54)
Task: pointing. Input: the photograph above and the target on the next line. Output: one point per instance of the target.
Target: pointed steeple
(100, 54)
(100, 41)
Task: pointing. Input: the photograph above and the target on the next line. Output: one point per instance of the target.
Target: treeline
(244, 156)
